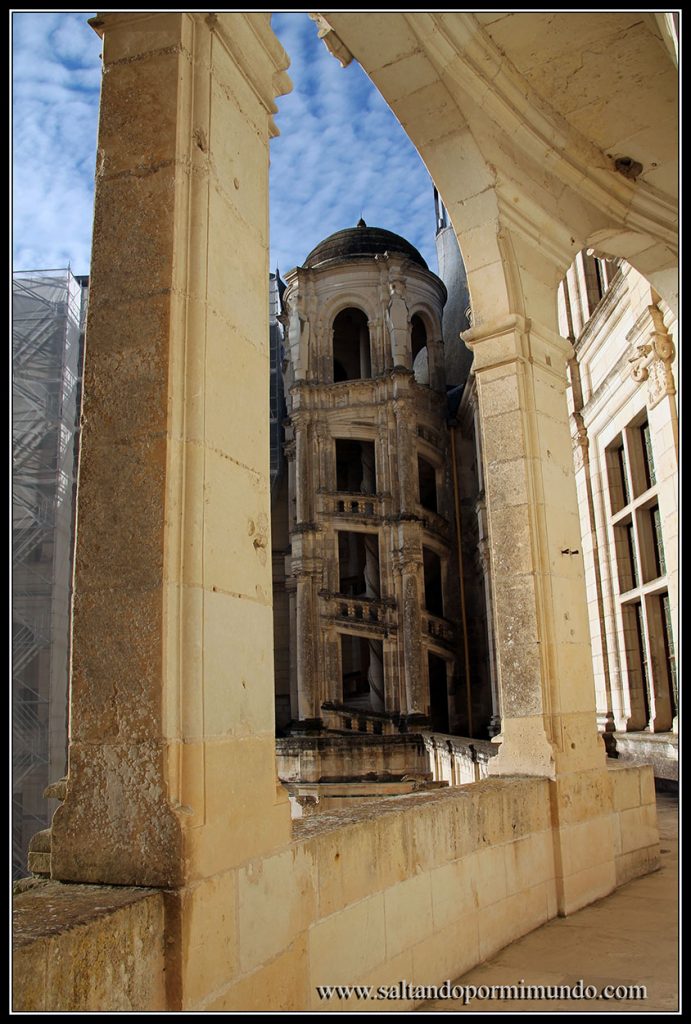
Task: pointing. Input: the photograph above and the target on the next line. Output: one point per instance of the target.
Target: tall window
(427, 478)
(418, 341)
(645, 624)
(355, 466)
(351, 346)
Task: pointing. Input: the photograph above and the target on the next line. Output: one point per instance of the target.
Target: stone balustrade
(434, 522)
(363, 610)
(345, 503)
(438, 628)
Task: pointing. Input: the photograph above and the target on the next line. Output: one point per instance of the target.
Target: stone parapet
(421, 887)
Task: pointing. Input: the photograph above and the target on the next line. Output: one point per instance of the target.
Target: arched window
(351, 346)
(420, 354)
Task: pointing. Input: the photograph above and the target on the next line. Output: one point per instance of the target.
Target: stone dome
(353, 243)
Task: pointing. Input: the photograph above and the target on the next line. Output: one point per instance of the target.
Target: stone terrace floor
(628, 938)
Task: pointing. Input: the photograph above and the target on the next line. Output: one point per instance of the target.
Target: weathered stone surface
(86, 948)
(125, 817)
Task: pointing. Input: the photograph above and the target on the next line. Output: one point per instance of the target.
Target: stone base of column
(605, 832)
(524, 750)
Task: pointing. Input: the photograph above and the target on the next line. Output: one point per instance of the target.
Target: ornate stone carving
(580, 441)
(397, 321)
(653, 355)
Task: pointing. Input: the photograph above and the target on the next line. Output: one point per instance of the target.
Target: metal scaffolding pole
(47, 345)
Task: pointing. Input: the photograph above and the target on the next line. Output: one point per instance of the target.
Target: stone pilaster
(171, 759)
(540, 615)
(304, 494)
(307, 649)
(406, 434)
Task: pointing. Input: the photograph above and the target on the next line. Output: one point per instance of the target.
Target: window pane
(648, 449)
(669, 645)
(657, 541)
(632, 554)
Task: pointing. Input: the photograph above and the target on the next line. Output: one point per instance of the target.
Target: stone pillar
(410, 621)
(326, 458)
(483, 556)
(541, 623)
(171, 759)
(304, 452)
(307, 649)
(377, 349)
(544, 659)
(289, 449)
(435, 357)
(406, 433)
(375, 675)
(291, 588)
(398, 323)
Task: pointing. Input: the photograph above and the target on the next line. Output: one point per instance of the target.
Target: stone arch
(655, 261)
(124, 826)
(350, 299)
(525, 180)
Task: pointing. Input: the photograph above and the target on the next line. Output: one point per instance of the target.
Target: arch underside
(545, 134)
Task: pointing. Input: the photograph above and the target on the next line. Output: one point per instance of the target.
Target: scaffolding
(47, 347)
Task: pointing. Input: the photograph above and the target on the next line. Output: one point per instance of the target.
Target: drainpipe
(452, 424)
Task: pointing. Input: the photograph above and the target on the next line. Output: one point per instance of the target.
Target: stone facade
(171, 781)
(625, 439)
(370, 570)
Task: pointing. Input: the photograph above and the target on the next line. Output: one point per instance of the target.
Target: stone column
(398, 323)
(375, 675)
(411, 626)
(409, 565)
(304, 453)
(406, 433)
(435, 357)
(326, 458)
(291, 588)
(171, 760)
(483, 556)
(307, 649)
(377, 353)
(289, 449)
(541, 624)
(544, 657)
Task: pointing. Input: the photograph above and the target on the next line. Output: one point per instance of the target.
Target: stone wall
(420, 889)
(87, 947)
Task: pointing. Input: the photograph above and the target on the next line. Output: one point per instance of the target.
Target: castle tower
(369, 572)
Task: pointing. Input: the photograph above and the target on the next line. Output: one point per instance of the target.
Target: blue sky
(341, 153)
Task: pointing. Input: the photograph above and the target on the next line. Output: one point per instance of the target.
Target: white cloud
(341, 153)
(56, 80)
